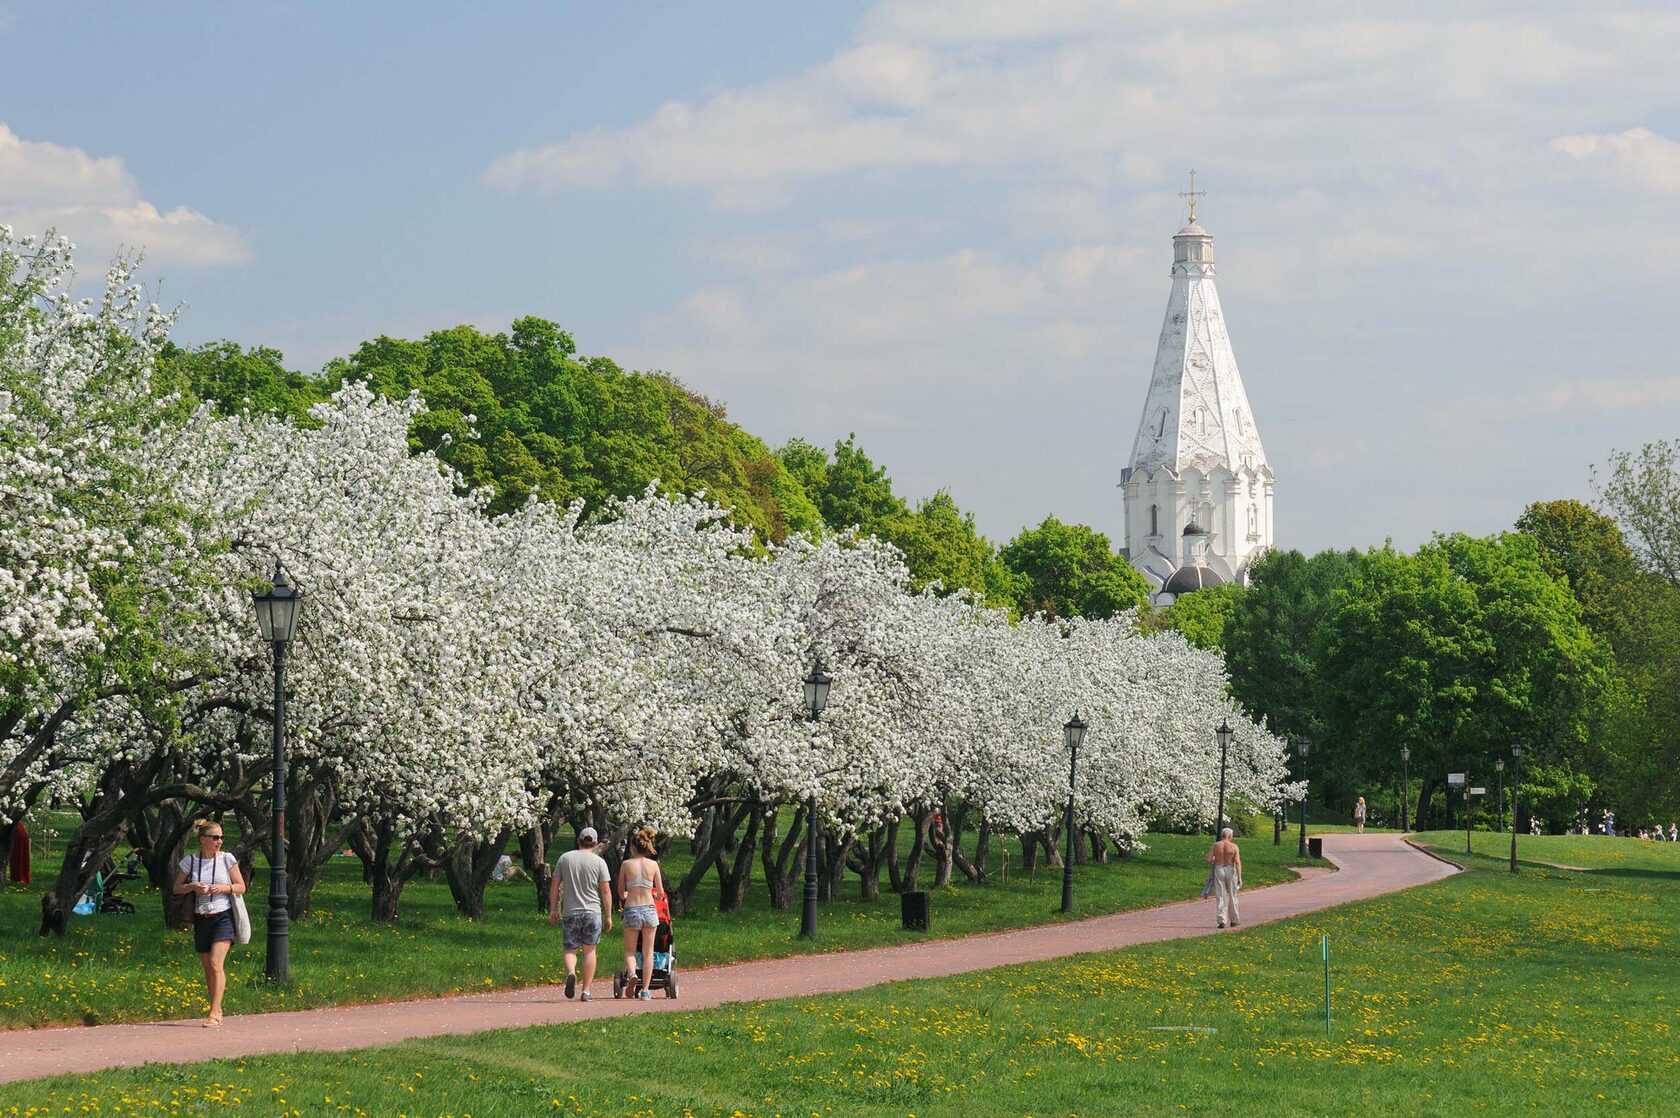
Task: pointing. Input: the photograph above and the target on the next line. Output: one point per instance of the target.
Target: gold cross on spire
(1192, 194)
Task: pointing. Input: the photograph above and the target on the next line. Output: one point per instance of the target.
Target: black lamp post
(1303, 745)
(1499, 793)
(817, 685)
(1405, 786)
(1224, 734)
(1075, 732)
(1516, 778)
(277, 613)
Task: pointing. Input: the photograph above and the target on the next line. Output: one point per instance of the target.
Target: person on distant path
(585, 911)
(212, 877)
(1359, 816)
(1226, 861)
(505, 870)
(1673, 833)
(640, 883)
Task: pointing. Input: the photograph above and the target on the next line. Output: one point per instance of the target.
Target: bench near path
(1369, 865)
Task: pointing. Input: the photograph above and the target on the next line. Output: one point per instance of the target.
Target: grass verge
(1550, 992)
(129, 968)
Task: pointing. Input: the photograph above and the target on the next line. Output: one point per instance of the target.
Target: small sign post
(1326, 945)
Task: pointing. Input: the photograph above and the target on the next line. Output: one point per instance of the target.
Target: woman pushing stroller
(640, 885)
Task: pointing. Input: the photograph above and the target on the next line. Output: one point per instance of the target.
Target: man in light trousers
(1226, 861)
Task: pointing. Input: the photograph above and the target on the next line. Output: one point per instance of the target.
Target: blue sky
(1446, 235)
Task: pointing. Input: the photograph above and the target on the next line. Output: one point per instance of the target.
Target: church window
(1161, 424)
(1154, 520)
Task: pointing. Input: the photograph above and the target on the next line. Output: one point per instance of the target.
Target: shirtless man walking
(1226, 861)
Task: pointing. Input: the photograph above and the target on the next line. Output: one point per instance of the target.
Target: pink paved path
(1370, 865)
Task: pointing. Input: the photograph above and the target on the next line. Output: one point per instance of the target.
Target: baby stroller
(664, 958)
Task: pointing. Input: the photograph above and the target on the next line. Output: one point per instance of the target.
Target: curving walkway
(1370, 865)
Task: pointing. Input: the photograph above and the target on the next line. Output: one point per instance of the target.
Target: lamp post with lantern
(1499, 794)
(1303, 746)
(277, 613)
(1516, 777)
(817, 686)
(1225, 734)
(1074, 732)
(1405, 787)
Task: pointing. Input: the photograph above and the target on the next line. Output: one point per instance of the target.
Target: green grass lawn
(124, 968)
(1551, 992)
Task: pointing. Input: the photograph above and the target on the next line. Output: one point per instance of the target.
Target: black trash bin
(914, 907)
(1315, 846)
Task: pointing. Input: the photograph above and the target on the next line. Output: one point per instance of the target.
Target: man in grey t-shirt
(584, 906)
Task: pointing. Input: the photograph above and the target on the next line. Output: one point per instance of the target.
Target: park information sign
(1457, 780)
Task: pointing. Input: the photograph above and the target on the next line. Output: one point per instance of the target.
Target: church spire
(1197, 457)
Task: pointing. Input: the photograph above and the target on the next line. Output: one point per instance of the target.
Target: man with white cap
(585, 909)
(1226, 861)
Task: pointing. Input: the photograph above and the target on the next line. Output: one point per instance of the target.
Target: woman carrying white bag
(219, 916)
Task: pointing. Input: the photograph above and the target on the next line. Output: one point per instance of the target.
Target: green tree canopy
(1204, 615)
(1456, 652)
(522, 413)
(1070, 570)
(1272, 632)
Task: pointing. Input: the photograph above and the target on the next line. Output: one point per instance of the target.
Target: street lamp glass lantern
(1303, 744)
(278, 608)
(1405, 753)
(1075, 731)
(1516, 750)
(1499, 764)
(817, 685)
(1225, 733)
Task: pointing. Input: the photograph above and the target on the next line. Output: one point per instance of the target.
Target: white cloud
(978, 200)
(1653, 160)
(96, 202)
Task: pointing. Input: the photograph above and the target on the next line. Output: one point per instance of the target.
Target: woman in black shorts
(212, 878)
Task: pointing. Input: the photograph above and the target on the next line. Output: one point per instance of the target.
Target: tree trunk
(945, 847)
(982, 853)
(835, 851)
(533, 852)
(871, 854)
(734, 861)
(1099, 849)
(1080, 857)
(784, 864)
(467, 866)
(895, 862)
(1029, 853)
(390, 861)
(923, 819)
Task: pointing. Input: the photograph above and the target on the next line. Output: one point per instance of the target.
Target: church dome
(1194, 529)
(1186, 579)
(1192, 230)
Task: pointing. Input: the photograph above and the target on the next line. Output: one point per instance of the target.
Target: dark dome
(1186, 579)
(1194, 529)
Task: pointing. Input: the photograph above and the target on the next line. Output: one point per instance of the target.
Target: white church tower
(1198, 490)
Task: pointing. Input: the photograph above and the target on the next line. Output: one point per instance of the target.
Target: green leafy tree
(237, 379)
(1204, 615)
(1456, 652)
(1070, 570)
(1643, 490)
(1270, 637)
(939, 540)
(1632, 761)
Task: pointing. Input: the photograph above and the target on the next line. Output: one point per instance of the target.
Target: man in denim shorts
(583, 909)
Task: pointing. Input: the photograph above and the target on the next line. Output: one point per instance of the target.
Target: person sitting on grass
(505, 870)
(585, 910)
(640, 883)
